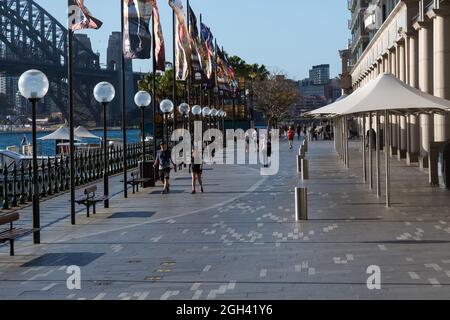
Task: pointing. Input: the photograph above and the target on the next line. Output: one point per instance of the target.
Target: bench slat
(15, 233)
(9, 217)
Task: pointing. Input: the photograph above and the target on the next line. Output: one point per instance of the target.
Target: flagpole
(122, 94)
(189, 79)
(174, 80)
(154, 84)
(71, 125)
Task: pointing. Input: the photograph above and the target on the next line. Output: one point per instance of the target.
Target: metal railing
(16, 182)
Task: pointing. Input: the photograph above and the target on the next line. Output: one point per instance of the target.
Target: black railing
(16, 183)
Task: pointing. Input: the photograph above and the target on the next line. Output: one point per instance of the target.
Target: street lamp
(213, 114)
(184, 110)
(143, 100)
(33, 85)
(104, 93)
(166, 107)
(206, 111)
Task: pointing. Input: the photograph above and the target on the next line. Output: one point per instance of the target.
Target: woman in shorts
(197, 172)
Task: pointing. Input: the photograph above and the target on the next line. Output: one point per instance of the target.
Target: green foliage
(164, 85)
(248, 71)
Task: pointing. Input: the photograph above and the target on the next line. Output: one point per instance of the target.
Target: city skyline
(300, 45)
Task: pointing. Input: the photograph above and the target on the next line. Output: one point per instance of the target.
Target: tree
(164, 85)
(275, 96)
(247, 71)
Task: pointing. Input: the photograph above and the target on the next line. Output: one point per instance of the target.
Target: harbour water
(8, 139)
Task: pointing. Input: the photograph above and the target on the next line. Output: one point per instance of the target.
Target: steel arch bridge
(31, 38)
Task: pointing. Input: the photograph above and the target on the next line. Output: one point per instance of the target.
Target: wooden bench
(11, 233)
(135, 181)
(90, 199)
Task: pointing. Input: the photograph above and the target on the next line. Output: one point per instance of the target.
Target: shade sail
(61, 134)
(386, 92)
(84, 133)
(331, 109)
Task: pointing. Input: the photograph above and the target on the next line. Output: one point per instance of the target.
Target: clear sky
(287, 35)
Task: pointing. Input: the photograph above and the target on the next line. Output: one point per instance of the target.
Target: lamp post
(143, 100)
(104, 93)
(205, 112)
(224, 117)
(196, 111)
(213, 114)
(184, 110)
(166, 107)
(33, 85)
(247, 107)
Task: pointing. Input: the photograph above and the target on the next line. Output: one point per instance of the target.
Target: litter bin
(146, 171)
(444, 165)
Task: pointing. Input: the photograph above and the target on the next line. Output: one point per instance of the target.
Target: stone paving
(240, 240)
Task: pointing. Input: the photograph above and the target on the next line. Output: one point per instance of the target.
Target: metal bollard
(299, 163)
(301, 204)
(305, 145)
(305, 169)
(301, 151)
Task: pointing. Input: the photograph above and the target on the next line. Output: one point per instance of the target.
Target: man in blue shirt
(164, 162)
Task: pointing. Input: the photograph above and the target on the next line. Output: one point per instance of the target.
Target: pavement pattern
(240, 240)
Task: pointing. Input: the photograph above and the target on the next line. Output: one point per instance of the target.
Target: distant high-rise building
(114, 62)
(114, 53)
(320, 75)
(318, 90)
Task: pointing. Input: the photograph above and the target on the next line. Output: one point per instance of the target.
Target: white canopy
(331, 109)
(84, 133)
(61, 134)
(386, 92)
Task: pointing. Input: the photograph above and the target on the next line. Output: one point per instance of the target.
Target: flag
(182, 39)
(222, 71)
(231, 75)
(160, 50)
(196, 59)
(137, 39)
(80, 17)
(207, 50)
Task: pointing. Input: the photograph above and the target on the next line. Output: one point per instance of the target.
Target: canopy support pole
(347, 153)
(378, 146)
(370, 152)
(364, 148)
(387, 159)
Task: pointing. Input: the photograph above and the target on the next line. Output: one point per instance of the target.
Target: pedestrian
(299, 132)
(164, 162)
(291, 135)
(197, 171)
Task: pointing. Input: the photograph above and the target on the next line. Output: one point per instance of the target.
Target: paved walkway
(240, 241)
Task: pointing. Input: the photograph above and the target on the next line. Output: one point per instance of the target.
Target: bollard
(301, 151)
(299, 163)
(301, 204)
(305, 169)
(305, 145)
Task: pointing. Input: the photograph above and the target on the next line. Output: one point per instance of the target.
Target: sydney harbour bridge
(30, 38)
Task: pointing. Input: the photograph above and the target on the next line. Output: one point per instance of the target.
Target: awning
(386, 92)
(61, 134)
(84, 133)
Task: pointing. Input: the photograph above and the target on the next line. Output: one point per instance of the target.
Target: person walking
(164, 162)
(291, 135)
(197, 171)
(299, 132)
